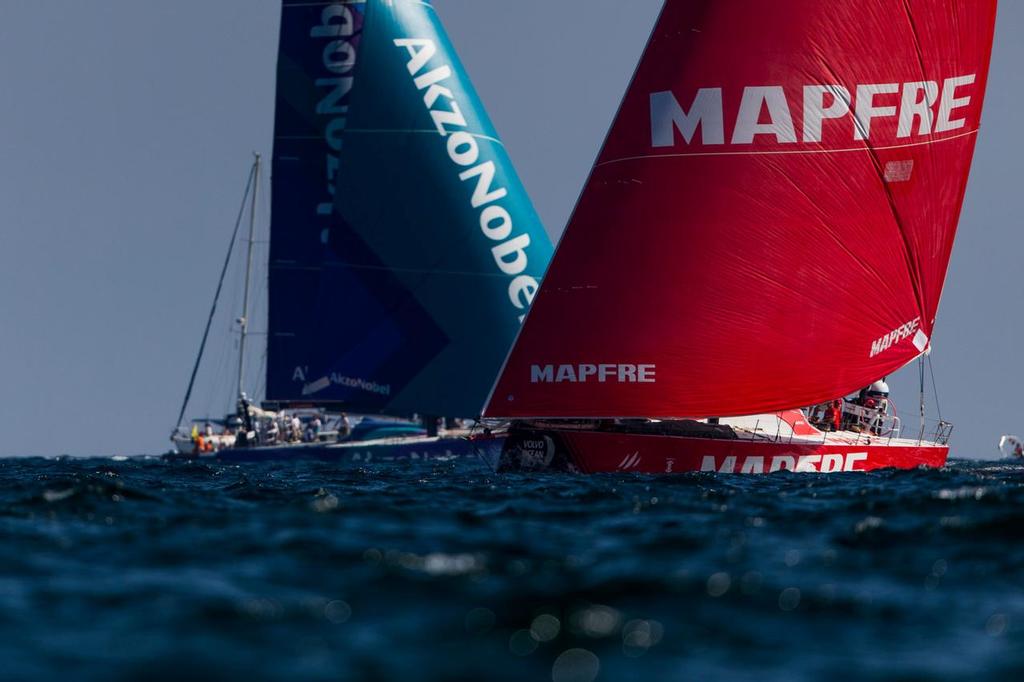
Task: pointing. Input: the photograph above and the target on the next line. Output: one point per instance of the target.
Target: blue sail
(404, 249)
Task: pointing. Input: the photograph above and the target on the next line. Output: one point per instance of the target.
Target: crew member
(834, 415)
(344, 426)
(272, 431)
(876, 398)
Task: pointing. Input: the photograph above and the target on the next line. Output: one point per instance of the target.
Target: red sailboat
(767, 228)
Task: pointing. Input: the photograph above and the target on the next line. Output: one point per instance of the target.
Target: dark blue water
(144, 568)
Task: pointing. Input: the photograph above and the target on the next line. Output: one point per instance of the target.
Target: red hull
(598, 451)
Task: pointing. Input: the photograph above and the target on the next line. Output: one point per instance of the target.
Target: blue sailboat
(404, 251)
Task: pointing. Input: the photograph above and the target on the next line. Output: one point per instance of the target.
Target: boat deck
(792, 427)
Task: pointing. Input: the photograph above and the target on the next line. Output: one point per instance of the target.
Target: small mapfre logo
(904, 331)
(598, 374)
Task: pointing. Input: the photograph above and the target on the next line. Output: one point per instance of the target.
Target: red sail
(770, 220)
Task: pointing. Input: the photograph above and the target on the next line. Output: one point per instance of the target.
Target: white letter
(514, 246)
(780, 120)
(753, 465)
(807, 463)
(339, 56)
(545, 374)
(866, 109)
(603, 372)
(667, 116)
(728, 466)
(453, 117)
(522, 290)
(566, 373)
(492, 214)
(627, 374)
(708, 464)
(435, 91)
(815, 110)
(335, 128)
(467, 143)
(645, 374)
(420, 52)
(852, 459)
(876, 348)
(587, 371)
(482, 193)
(913, 105)
(328, 30)
(780, 462)
(831, 463)
(331, 103)
(950, 102)
(430, 80)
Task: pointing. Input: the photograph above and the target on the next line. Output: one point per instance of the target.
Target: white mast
(243, 321)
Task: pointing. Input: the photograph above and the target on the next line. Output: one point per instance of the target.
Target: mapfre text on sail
(918, 108)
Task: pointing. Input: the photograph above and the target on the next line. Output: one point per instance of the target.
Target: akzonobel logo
(464, 151)
(337, 30)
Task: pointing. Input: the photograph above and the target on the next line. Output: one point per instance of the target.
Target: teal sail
(404, 249)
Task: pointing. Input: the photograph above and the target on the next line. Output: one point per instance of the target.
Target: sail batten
(769, 222)
(404, 248)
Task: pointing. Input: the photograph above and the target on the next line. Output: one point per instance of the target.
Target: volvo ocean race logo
(922, 108)
(464, 151)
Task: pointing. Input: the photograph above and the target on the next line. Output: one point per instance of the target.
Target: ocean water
(148, 569)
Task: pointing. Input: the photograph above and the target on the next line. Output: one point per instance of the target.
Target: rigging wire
(262, 385)
(920, 374)
(216, 297)
(935, 387)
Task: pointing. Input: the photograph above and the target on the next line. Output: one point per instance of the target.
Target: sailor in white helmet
(875, 396)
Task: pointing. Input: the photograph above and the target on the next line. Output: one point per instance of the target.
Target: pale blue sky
(125, 133)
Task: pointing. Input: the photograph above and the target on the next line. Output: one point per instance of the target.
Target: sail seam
(478, 136)
(790, 151)
(324, 3)
(430, 271)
